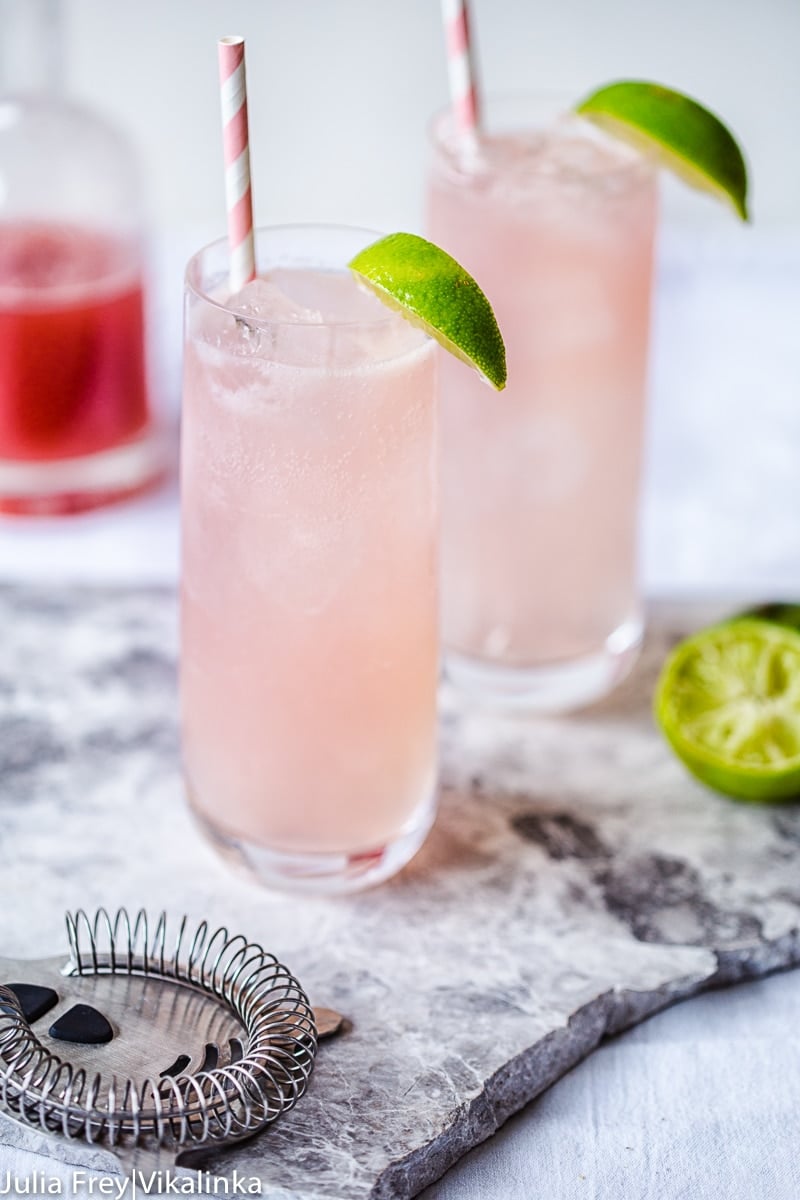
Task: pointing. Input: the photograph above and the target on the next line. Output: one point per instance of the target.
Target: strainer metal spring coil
(225, 1103)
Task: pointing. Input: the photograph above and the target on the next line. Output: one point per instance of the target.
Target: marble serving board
(576, 882)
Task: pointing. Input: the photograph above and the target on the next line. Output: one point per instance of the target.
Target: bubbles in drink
(516, 166)
(302, 447)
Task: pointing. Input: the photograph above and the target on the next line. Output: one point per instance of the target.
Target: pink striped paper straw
(461, 66)
(236, 142)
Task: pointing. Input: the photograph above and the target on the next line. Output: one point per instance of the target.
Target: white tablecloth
(698, 1103)
(702, 1101)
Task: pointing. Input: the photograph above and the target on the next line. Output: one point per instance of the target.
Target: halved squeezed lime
(728, 702)
(781, 612)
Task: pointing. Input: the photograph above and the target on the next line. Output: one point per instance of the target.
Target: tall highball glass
(309, 610)
(540, 485)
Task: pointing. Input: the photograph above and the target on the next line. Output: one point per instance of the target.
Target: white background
(341, 90)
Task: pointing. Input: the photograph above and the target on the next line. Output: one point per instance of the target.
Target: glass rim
(194, 262)
(635, 164)
(507, 96)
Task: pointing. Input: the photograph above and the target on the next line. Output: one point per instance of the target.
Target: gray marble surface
(576, 881)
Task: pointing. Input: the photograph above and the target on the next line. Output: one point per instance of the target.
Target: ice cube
(334, 294)
(267, 300)
(308, 317)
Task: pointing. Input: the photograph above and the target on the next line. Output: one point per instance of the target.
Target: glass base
(552, 688)
(69, 485)
(320, 874)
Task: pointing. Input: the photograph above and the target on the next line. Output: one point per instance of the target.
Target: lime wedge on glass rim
(677, 131)
(728, 702)
(435, 293)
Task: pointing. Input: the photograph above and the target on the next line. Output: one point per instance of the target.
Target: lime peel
(728, 702)
(679, 132)
(434, 292)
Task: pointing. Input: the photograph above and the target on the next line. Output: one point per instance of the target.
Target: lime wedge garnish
(435, 293)
(728, 702)
(680, 133)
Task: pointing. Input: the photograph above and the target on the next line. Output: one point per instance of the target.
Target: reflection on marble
(576, 881)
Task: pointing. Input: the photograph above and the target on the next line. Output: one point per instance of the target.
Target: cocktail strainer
(160, 1046)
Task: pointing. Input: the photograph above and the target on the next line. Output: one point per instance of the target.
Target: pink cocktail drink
(309, 661)
(540, 485)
